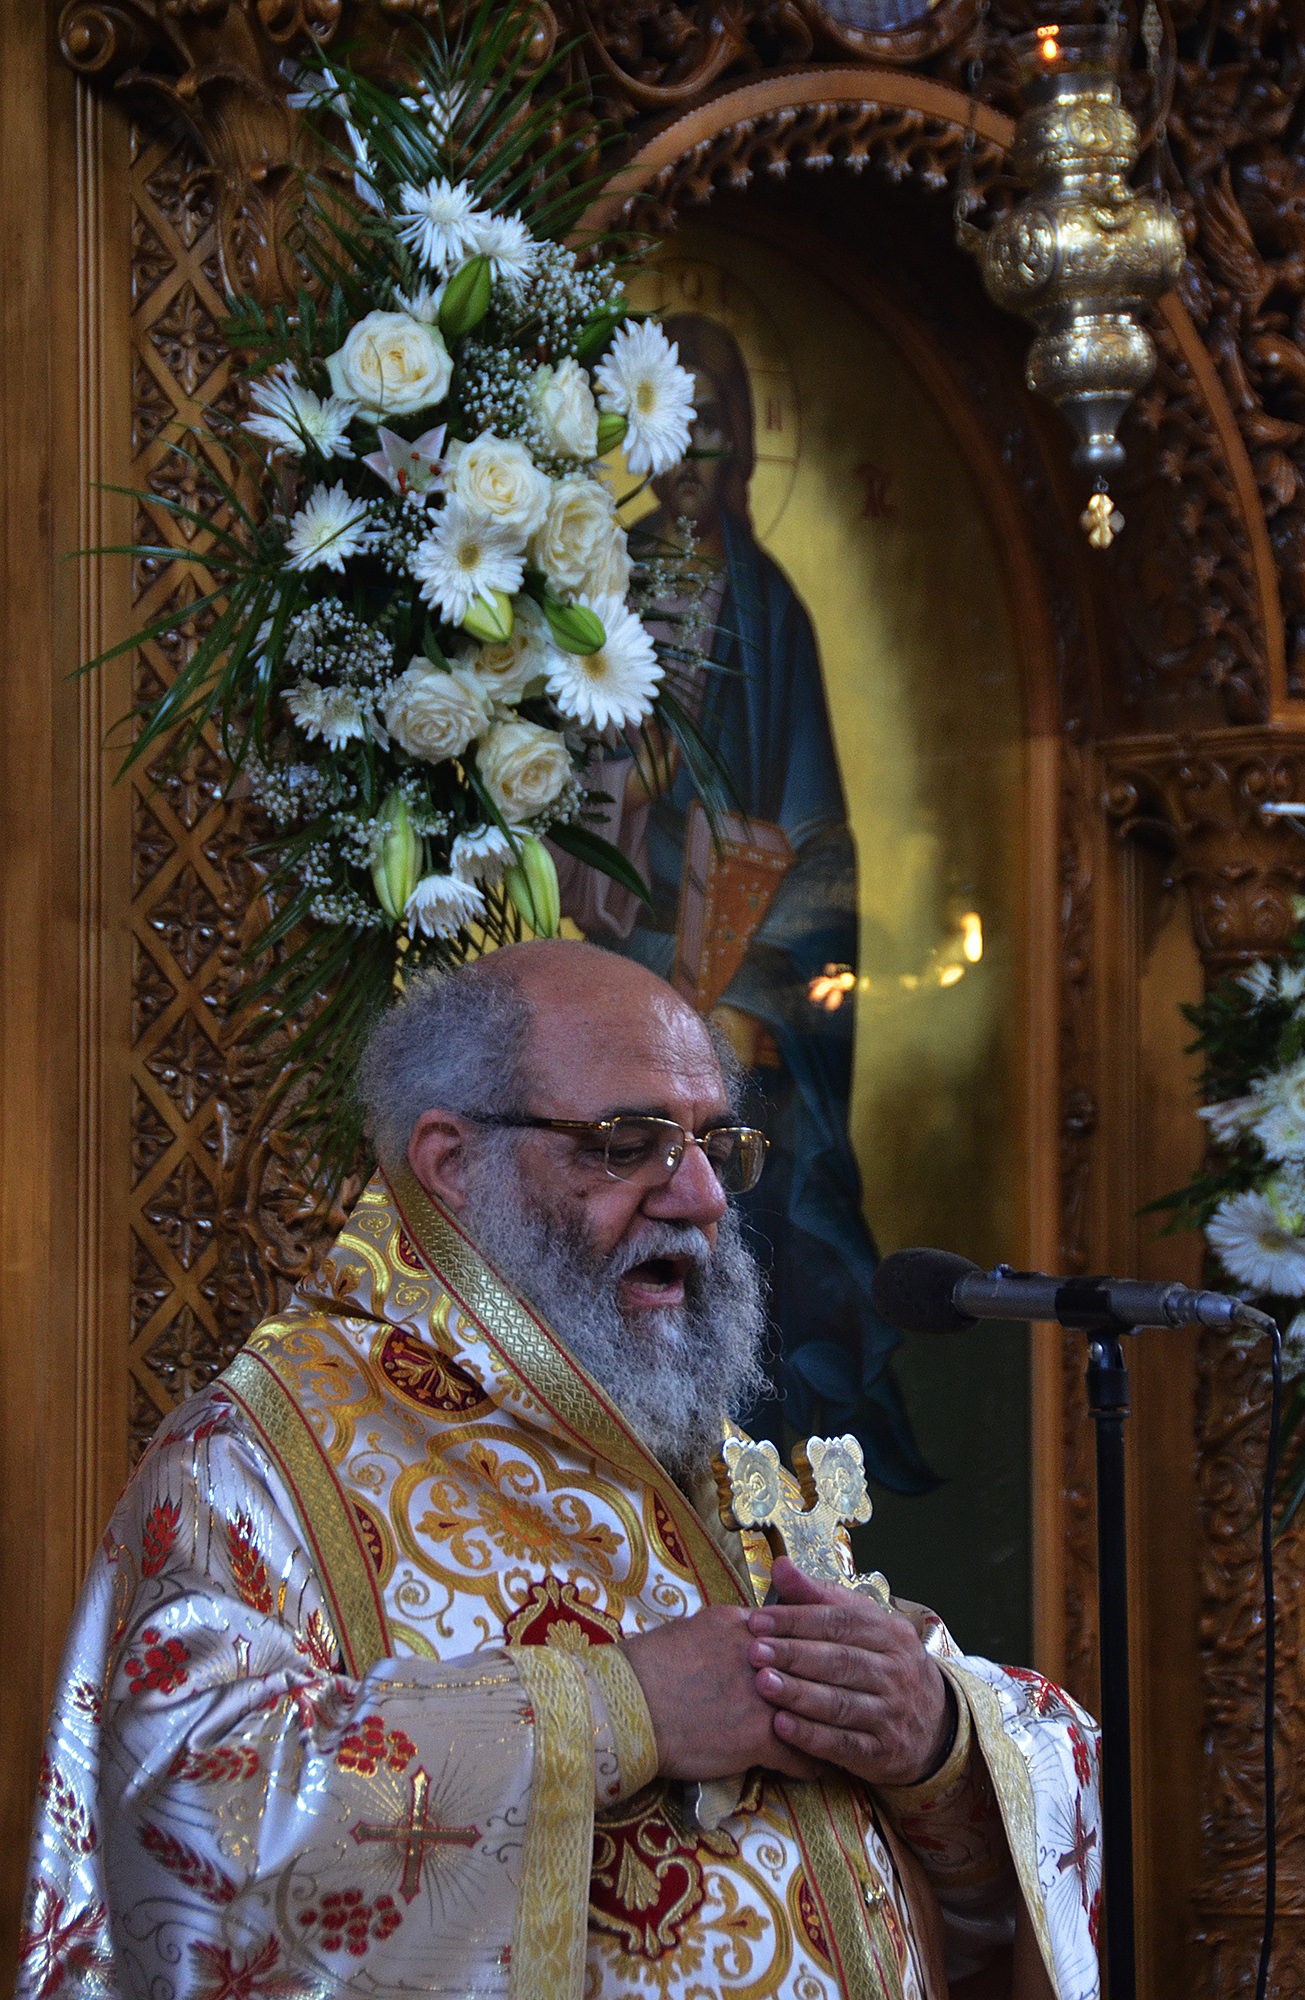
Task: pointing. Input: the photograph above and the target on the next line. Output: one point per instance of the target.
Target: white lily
(410, 468)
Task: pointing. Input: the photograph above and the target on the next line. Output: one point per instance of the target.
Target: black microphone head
(913, 1289)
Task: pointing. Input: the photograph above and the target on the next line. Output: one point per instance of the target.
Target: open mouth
(658, 1281)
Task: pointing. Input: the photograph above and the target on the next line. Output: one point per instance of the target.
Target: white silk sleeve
(248, 1815)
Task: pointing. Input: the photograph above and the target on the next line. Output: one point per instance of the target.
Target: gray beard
(673, 1372)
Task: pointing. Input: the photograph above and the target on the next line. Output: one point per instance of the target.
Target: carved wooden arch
(904, 124)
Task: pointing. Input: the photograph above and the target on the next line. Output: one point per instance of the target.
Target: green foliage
(331, 954)
(1250, 1028)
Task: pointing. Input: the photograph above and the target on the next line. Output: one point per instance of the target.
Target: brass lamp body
(1082, 254)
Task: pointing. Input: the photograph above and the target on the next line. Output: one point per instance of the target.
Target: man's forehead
(651, 1050)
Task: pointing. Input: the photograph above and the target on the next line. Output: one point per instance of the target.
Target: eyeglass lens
(735, 1153)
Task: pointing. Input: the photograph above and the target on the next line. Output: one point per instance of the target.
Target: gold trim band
(550, 1933)
(329, 1524)
(636, 1745)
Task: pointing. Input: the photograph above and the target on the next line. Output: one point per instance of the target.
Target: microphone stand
(1082, 1303)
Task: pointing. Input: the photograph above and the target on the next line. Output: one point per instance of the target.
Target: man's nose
(692, 1194)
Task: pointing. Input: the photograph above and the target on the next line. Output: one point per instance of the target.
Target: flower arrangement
(1250, 1202)
(428, 617)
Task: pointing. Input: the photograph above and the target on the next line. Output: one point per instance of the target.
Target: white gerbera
(441, 222)
(1254, 1245)
(467, 557)
(641, 380)
(334, 714)
(483, 855)
(615, 684)
(328, 529)
(1280, 1101)
(442, 905)
(1257, 980)
(293, 417)
(1230, 1119)
(424, 303)
(510, 248)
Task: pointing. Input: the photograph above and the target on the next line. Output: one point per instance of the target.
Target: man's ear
(437, 1154)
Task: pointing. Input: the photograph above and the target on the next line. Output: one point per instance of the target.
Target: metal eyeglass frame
(676, 1149)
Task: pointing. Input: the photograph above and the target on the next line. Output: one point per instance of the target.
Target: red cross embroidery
(1077, 1858)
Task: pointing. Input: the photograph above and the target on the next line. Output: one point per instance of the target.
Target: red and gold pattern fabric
(341, 1708)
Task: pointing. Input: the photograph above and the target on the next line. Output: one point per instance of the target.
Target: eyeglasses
(650, 1150)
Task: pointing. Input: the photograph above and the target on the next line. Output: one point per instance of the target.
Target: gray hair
(456, 1039)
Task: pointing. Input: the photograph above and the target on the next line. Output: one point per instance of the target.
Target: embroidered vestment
(341, 1708)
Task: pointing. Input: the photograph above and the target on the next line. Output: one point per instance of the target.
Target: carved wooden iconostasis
(1155, 701)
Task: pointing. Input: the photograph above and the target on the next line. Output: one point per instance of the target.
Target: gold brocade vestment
(341, 1709)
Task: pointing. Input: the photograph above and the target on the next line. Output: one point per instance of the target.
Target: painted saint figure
(744, 933)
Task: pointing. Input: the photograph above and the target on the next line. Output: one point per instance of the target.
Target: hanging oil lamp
(1082, 255)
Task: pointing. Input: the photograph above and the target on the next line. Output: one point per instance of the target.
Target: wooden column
(64, 851)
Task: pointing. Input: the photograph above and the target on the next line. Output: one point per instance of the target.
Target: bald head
(553, 1022)
(603, 1029)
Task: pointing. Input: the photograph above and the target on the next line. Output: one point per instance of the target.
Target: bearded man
(416, 1658)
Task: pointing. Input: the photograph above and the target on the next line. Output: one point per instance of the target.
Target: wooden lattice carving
(218, 1226)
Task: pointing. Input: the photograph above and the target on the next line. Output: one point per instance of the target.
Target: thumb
(793, 1586)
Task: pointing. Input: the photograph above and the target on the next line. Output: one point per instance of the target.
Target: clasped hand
(826, 1676)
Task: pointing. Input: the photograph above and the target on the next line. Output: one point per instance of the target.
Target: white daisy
(640, 378)
(423, 304)
(1248, 1235)
(1258, 980)
(615, 684)
(1291, 982)
(334, 714)
(293, 417)
(484, 855)
(440, 225)
(442, 905)
(510, 248)
(467, 557)
(328, 529)
(409, 468)
(1280, 1102)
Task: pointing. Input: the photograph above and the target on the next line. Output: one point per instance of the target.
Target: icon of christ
(746, 929)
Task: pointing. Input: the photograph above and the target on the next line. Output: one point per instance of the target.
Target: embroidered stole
(550, 1935)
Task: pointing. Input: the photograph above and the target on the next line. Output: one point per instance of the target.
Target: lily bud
(532, 885)
(398, 865)
(490, 623)
(612, 427)
(466, 298)
(574, 627)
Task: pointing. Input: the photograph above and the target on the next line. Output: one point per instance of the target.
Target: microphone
(934, 1291)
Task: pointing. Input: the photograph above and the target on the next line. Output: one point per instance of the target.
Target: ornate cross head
(804, 1518)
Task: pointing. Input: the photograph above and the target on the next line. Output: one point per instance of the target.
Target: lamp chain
(1152, 39)
(967, 199)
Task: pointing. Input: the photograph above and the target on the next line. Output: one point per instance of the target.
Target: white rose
(433, 714)
(523, 767)
(497, 479)
(565, 406)
(391, 365)
(507, 670)
(581, 545)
